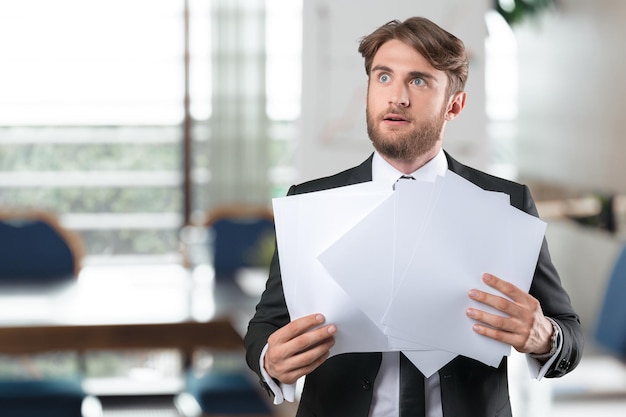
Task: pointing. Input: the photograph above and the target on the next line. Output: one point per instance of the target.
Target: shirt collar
(384, 172)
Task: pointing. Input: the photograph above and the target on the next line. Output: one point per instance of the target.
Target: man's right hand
(298, 348)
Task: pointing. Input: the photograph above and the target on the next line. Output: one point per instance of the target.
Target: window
(501, 94)
(92, 112)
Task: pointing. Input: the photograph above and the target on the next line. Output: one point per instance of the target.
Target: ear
(455, 105)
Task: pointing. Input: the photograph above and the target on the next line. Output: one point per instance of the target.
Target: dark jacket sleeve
(546, 285)
(271, 314)
(555, 303)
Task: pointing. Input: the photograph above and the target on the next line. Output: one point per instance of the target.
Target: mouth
(394, 117)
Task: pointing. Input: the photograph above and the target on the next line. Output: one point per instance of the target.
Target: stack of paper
(392, 269)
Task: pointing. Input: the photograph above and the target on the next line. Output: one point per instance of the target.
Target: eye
(418, 82)
(384, 78)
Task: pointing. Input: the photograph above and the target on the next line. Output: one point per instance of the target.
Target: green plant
(516, 11)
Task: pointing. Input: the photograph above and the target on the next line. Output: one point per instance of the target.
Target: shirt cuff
(282, 392)
(536, 369)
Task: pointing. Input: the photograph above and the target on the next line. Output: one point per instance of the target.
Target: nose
(400, 96)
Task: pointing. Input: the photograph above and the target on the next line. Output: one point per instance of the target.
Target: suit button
(366, 385)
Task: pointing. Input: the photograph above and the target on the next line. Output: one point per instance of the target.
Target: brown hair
(441, 49)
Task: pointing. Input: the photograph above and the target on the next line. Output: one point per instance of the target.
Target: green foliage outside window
(517, 11)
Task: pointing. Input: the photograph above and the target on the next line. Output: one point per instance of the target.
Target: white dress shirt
(387, 385)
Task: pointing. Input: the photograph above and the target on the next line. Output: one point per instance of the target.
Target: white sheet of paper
(392, 269)
(414, 204)
(471, 227)
(457, 246)
(429, 361)
(365, 273)
(367, 278)
(316, 220)
(288, 217)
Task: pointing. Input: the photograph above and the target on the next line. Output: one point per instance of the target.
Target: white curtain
(239, 144)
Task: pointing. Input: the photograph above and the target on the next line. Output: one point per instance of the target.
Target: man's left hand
(524, 327)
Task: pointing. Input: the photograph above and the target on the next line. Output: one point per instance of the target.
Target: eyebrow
(412, 74)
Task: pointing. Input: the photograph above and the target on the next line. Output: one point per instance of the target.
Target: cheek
(429, 105)
(374, 100)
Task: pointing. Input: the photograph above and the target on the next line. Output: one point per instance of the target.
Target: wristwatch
(555, 339)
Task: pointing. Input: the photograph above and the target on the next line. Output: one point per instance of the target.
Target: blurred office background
(132, 119)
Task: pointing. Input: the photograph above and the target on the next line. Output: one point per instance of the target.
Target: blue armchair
(37, 398)
(35, 250)
(610, 330)
(240, 236)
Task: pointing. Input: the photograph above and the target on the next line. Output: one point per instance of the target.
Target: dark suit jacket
(342, 386)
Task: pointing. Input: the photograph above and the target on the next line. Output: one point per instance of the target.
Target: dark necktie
(404, 177)
(412, 403)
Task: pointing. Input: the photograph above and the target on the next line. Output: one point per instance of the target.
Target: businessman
(416, 79)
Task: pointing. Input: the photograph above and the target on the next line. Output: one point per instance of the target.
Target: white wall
(333, 132)
(570, 129)
(584, 258)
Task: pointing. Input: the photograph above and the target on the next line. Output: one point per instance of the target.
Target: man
(417, 73)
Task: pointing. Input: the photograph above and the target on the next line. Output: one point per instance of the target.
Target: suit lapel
(456, 166)
(361, 173)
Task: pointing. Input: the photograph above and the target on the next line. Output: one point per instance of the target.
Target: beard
(401, 144)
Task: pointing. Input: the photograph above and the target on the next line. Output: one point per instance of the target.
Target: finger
(297, 327)
(499, 303)
(505, 287)
(282, 352)
(502, 336)
(316, 362)
(492, 320)
(292, 375)
(286, 365)
(309, 357)
(310, 339)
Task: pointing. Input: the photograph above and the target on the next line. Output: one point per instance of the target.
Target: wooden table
(120, 308)
(186, 336)
(123, 307)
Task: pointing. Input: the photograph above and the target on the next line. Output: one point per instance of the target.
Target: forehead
(401, 57)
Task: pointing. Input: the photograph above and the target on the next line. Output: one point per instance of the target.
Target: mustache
(397, 111)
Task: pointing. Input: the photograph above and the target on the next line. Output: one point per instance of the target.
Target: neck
(409, 167)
